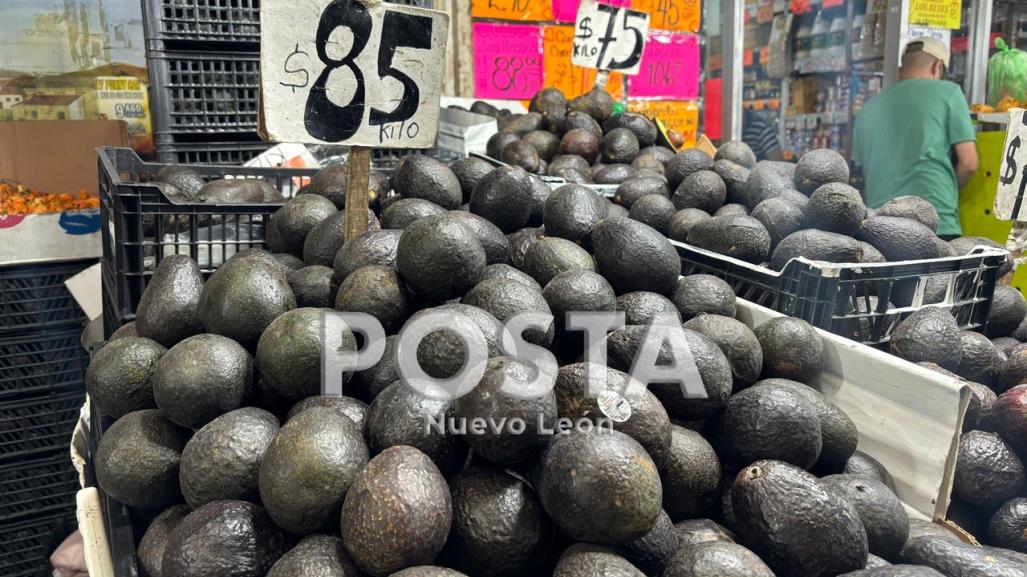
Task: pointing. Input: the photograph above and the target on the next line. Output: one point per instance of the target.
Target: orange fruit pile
(16, 199)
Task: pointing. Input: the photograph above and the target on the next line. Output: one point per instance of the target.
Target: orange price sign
(530, 10)
(558, 72)
(681, 115)
(673, 15)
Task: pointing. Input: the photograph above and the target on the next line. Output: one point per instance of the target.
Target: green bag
(1007, 74)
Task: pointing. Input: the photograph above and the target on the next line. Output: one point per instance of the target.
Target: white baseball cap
(931, 46)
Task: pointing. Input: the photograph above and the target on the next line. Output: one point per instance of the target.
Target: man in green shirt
(916, 138)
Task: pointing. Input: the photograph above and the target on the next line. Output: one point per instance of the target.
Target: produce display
(216, 387)
(18, 200)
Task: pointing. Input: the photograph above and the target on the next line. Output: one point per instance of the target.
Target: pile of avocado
(225, 447)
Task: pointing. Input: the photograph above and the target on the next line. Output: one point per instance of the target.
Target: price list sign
(1012, 175)
(344, 72)
(507, 60)
(609, 37)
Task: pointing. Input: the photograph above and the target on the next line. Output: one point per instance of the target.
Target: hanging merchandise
(1007, 76)
(779, 55)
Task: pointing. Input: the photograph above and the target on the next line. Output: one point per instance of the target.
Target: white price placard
(1012, 174)
(343, 72)
(609, 37)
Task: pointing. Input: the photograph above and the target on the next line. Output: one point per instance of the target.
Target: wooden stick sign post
(609, 38)
(357, 73)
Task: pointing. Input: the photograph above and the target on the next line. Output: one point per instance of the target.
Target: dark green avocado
(1013, 370)
(503, 197)
(769, 421)
(691, 475)
(185, 179)
(695, 531)
(597, 103)
(545, 143)
(201, 378)
(613, 173)
(703, 294)
(780, 217)
(520, 242)
(929, 334)
(899, 239)
(585, 560)
(884, 519)
(441, 354)
(469, 171)
(864, 465)
(520, 124)
(497, 142)
(1008, 310)
(979, 360)
(578, 291)
(397, 513)
(792, 349)
(819, 167)
(243, 297)
(224, 539)
(329, 182)
(371, 247)
(734, 176)
(137, 460)
(350, 407)
(521, 154)
(654, 210)
(738, 342)
(653, 551)
(169, 308)
(702, 189)
(988, 472)
(717, 559)
(440, 258)
(325, 239)
(685, 163)
(736, 151)
(308, 468)
(510, 273)
(738, 236)
(405, 211)
(153, 543)
(643, 128)
(314, 286)
(634, 256)
(550, 256)
(222, 459)
(291, 224)
(378, 291)
(315, 556)
(427, 571)
(420, 176)
(289, 353)
(835, 207)
(120, 376)
(732, 209)
(894, 571)
(1008, 526)
(619, 145)
(572, 211)
(129, 330)
(955, 558)
(583, 142)
(837, 431)
(766, 180)
(912, 207)
(584, 472)
(505, 298)
(639, 307)
(816, 245)
(795, 525)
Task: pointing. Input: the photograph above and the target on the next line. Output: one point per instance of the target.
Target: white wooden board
(609, 37)
(909, 418)
(1012, 173)
(342, 72)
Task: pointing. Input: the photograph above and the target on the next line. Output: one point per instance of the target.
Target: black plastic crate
(202, 21)
(38, 487)
(36, 362)
(204, 92)
(852, 300)
(33, 297)
(25, 547)
(224, 153)
(39, 424)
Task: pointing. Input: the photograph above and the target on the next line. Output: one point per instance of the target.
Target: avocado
(486, 402)
(499, 528)
(654, 550)
(663, 153)
(766, 180)
(1008, 526)
(540, 192)
(616, 211)
(801, 200)
(979, 411)
(816, 245)
(572, 211)
(371, 247)
(1008, 310)
(899, 239)
(585, 560)
(294, 221)
(702, 189)
(155, 540)
(873, 562)
(237, 191)
(584, 472)
(505, 298)
(929, 334)
(633, 189)
(468, 172)
(979, 360)
(703, 294)
(685, 163)
(492, 240)
(643, 128)
(988, 472)
(397, 513)
(399, 415)
(795, 525)
(137, 460)
(368, 383)
(769, 421)
(508, 272)
(120, 376)
(613, 174)
(819, 167)
(522, 154)
(550, 256)
(403, 212)
(716, 559)
(639, 307)
(550, 103)
(378, 291)
(545, 143)
(738, 343)
(967, 244)
(837, 431)
(734, 176)
(497, 142)
(568, 161)
(1013, 370)
(646, 422)
(654, 210)
(741, 237)
(484, 108)
(439, 258)
(503, 197)
(427, 571)
(314, 286)
(870, 254)
(713, 367)
(201, 378)
(650, 163)
(620, 145)
(1009, 413)
(327, 238)
(889, 570)
(315, 556)
(684, 221)
(883, 516)
(695, 531)
(581, 142)
(836, 207)
(242, 297)
(912, 207)
(578, 291)
(222, 459)
(1003, 344)
(779, 217)
(575, 119)
(738, 152)
(934, 288)
(168, 310)
(862, 464)
(330, 183)
(129, 330)
(224, 538)
(691, 475)
(290, 263)
(308, 468)
(186, 180)
(634, 256)
(957, 559)
(520, 124)
(792, 349)
(597, 103)
(350, 407)
(732, 209)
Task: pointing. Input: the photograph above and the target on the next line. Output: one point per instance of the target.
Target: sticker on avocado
(614, 406)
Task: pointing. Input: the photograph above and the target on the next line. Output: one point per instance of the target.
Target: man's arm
(967, 161)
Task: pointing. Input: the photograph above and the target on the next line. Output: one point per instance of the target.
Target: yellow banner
(681, 115)
(936, 13)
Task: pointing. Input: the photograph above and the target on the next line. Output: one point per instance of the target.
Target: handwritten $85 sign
(609, 37)
(340, 71)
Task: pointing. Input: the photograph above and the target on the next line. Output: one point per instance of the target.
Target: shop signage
(507, 60)
(1012, 174)
(609, 37)
(670, 68)
(573, 81)
(936, 13)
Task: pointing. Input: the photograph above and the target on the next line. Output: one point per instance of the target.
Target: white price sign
(1012, 174)
(609, 37)
(343, 72)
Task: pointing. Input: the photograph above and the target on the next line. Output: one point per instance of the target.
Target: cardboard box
(35, 238)
(464, 132)
(56, 155)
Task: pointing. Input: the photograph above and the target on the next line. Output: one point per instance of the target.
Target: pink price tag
(670, 67)
(507, 60)
(567, 10)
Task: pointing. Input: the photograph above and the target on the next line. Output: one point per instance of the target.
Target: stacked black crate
(42, 389)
